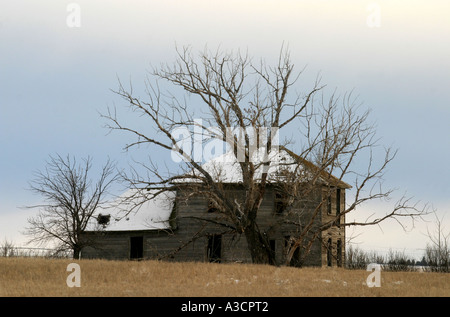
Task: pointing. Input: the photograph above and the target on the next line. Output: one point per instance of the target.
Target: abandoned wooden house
(174, 226)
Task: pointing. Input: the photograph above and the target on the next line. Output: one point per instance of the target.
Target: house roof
(154, 214)
(226, 169)
(146, 214)
(324, 175)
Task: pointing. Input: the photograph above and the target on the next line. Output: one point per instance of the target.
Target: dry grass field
(31, 277)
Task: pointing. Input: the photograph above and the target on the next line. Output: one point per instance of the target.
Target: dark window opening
(136, 247)
(339, 253)
(338, 206)
(329, 254)
(280, 203)
(214, 251)
(272, 245)
(329, 205)
(338, 201)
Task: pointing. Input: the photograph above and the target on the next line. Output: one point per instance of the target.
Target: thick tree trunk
(258, 246)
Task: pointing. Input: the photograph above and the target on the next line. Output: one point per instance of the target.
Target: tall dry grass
(47, 277)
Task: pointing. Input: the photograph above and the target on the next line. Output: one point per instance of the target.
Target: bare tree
(70, 199)
(230, 91)
(7, 248)
(437, 251)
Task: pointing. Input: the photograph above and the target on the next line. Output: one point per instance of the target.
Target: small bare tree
(70, 199)
(437, 251)
(232, 92)
(7, 249)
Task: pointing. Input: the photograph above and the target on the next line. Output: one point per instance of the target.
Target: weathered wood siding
(189, 237)
(335, 233)
(116, 245)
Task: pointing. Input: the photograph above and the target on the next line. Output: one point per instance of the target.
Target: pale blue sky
(54, 79)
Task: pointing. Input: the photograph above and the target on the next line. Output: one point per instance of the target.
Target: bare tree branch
(70, 199)
(339, 147)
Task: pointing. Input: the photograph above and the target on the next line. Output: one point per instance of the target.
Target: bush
(437, 258)
(357, 259)
(398, 261)
(7, 249)
(437, 251)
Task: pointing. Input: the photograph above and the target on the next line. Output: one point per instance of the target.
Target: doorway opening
(136, 248)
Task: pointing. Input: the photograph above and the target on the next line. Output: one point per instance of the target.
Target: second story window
(338, 201)
(329, 205)
(338, 206)
(280, 200)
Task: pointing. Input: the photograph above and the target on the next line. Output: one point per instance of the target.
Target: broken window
(272, 245)
(329, 205)
(329, 253)
(338, 201)
(136, 247)
(214, 250)
(339, 252)
(280, 203)
(338, 206)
